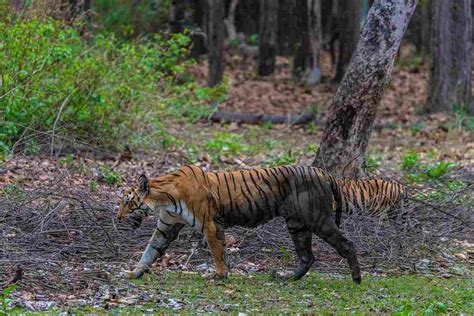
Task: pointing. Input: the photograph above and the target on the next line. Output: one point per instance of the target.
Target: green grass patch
(321, 293)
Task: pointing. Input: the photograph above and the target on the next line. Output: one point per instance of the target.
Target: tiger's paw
(219, 277)
(133, 274)
(215, 276)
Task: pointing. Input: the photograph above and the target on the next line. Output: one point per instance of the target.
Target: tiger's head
(139, 201)
(132, 206)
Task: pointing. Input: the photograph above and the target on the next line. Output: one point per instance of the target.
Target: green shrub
(96, 91)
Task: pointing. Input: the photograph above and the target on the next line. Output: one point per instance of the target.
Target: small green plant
(226, 144)
(311, 128)
(416, 128)
(234, 43)
(412, 64)
(93, 186)
(109, 175)
(4, 298)
(267, 125)
(282, 160)
(14, 193)
(372, 163)
(312, 148)
(436, 309)
(286, 256)
(252, 39)
(410, 160)
(438, 169)
(66, 161)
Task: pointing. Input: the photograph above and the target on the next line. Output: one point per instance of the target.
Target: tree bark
(267, 37)
(174, 18)
(352, 113)
(216, 41)
(418, 31)
(348, 27)
(450, 75)
(287, 27)
(246, 17)
(302, 46)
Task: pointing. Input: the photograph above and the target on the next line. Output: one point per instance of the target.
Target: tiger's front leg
(155, 249)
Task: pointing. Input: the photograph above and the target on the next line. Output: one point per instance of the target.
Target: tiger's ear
(143, 185)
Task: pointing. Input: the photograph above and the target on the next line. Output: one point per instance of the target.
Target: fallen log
(251, 118)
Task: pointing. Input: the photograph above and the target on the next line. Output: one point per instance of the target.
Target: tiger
(212, 201)
(375, 197)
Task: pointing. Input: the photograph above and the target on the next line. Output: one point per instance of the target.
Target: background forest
(94, 93)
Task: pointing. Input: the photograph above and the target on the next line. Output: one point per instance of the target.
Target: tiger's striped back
(370, 196)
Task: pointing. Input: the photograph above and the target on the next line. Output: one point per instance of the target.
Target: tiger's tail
(338, 198)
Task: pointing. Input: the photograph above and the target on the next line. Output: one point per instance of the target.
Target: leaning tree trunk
(267, 37)
(348, 29)
(216, 41)
(450, 80)
(352, 113)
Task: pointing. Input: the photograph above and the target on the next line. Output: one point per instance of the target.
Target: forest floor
(57, 220)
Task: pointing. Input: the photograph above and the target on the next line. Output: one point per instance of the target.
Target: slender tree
(17, 5)
(216, 41)
(451, 38)
(287, 27)
(348, 33)
(306, 61)
(76, 8)
(267, 37)
(352, 113)
(312, 73)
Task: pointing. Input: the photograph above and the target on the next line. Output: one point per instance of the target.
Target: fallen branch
(251, 118)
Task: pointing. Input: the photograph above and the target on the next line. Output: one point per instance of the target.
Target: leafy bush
(96, 90)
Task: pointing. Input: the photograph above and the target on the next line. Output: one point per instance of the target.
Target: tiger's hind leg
(302, 241)
(333, 236)
(215, 238)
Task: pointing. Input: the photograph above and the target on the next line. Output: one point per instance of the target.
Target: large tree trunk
(418, 31)
(352, 113)
(246, 16)
(216, 41)
(287, 27)
(450, 82)
(348, 27)
(267, 37)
